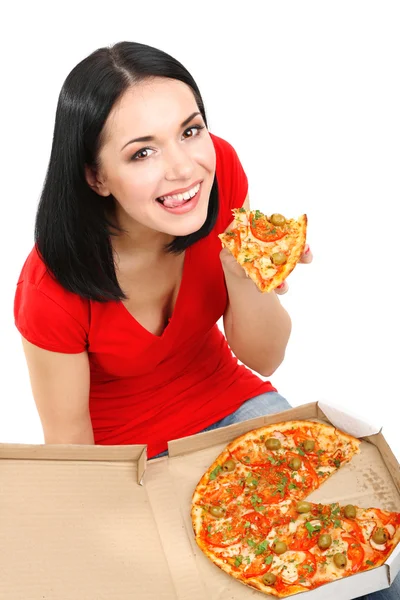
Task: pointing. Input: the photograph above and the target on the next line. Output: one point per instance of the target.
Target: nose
(178, 164)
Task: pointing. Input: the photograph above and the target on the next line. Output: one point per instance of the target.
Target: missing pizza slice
(268, 248)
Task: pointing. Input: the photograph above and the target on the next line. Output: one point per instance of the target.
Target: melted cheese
(367, 528)
(380, 547)
(286, 565)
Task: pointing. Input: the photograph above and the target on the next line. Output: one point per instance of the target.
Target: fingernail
(281, 286)
(307, 249)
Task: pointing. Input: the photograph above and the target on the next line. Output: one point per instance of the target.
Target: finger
(282, 289)
(307, 255)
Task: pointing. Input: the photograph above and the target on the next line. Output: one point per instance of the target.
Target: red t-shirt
(148, 389)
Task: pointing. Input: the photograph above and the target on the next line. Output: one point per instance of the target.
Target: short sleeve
(231, 178)
(44, 322)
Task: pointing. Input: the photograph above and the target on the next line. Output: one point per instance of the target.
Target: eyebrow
(150, 138)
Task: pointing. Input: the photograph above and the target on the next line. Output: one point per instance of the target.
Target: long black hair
(72, 231)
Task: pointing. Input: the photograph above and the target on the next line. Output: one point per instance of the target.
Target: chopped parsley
(255, 500)
(238, 560)
(261, 547)
(268, 560)
(370, 563)
(214, 473)
(312, 529)
(308, 568)
(337, 463)
(337, 523)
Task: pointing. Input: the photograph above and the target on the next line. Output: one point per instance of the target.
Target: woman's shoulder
(47, 314)
(35, 273)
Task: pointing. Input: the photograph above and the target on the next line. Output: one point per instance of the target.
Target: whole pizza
(250, 516)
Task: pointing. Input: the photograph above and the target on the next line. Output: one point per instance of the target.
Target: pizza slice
(301, 455)
(297, 546)
(268, 248)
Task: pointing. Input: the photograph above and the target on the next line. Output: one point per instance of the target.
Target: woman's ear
(95, 183)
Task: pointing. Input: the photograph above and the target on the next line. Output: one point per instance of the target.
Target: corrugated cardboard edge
(136, 453)
(393, 562)
(330, 413)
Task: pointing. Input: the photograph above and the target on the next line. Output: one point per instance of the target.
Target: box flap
(75, 523)
(134, 453)
(346, 421)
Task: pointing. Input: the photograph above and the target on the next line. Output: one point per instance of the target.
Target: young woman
(118, 301)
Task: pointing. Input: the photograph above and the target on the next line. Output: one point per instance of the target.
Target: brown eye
(144, 153)
(193, 131)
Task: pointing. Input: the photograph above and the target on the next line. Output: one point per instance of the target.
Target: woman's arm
(60, 386)
(256, 325)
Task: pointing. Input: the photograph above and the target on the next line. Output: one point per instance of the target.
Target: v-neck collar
(177, 306)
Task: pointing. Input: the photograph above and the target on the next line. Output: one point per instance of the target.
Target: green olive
(279, 547)
(269, 579)
(380, 536)
(252, 484)
(309, 445)
(340, 560)
(277, 219)
(229, 465)
(273, 444)
(324, 541)
(279, 258)
(350, 511)
(303, 507)
(216, 511)
(295, 463)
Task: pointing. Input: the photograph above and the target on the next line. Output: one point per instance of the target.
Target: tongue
(172, 203)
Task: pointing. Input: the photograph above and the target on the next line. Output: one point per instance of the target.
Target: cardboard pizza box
(102, 522)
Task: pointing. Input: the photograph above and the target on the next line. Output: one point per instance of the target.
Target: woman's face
(158, 160)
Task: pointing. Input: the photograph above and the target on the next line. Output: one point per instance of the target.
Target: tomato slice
(274, 484)
(308, 567)
(355, 553)
(301, 540)
(254, 455)
(352, 527)
(222, 494)
(265, 231)
(261, 525)
(385, 519)
(222, 532)
(257, 567)
(310, 479)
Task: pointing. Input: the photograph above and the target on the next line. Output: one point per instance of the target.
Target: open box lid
(75, 522)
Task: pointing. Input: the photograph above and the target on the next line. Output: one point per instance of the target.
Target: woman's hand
(230, 265)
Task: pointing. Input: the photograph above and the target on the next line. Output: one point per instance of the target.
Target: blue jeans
(270, 403)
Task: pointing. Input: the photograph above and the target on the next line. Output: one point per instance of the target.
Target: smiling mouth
(179, 199)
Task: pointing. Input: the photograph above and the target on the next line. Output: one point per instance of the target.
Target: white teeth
(186, 196)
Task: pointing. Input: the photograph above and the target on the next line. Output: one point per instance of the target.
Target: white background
(308, 94)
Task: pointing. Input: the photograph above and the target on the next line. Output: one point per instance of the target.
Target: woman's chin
(186, 225)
